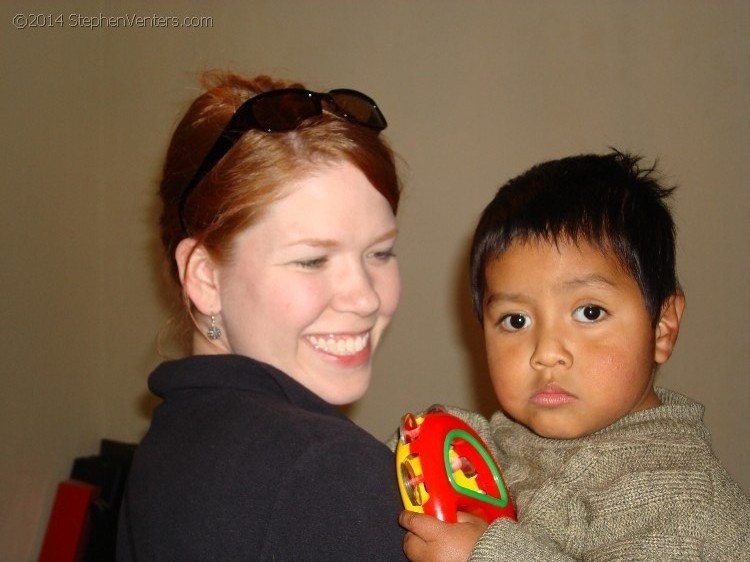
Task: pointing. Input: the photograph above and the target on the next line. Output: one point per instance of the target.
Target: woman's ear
(199, 276)
(668, 327)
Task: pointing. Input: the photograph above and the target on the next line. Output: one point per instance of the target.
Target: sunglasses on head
(278, 111)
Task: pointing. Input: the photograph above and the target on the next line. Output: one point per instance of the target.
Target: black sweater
(243, 463)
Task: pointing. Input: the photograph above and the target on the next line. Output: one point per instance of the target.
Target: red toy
(444, 467)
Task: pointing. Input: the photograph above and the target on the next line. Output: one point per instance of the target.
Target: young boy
(573, 278)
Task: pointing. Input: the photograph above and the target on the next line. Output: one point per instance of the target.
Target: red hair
(255, 172)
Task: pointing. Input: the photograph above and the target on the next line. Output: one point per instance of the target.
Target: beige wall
(475, 93)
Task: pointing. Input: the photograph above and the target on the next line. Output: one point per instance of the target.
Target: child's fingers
(464, 517)
(414, 547)
(422, 533)
(429, 539)
(425, 527)
(419, 524)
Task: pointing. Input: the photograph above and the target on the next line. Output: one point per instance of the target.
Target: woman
(280, 237)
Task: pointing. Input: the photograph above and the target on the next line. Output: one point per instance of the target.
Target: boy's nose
(550, 351)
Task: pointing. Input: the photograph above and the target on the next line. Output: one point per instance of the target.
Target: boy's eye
(515, 322)
(589, 313)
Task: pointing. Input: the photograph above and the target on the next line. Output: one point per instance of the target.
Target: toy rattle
(444, 467)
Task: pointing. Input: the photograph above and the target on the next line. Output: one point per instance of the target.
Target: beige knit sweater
(647, 487)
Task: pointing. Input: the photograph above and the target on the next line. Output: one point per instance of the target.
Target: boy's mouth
(552, 395)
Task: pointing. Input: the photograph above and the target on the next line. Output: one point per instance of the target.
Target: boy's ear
(668, 327)
(199, 276)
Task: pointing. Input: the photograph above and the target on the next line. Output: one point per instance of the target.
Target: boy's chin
(560, 430)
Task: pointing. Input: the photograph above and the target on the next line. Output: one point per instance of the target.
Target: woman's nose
(355, 291)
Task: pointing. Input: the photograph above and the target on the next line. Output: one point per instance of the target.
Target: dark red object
(68, 527)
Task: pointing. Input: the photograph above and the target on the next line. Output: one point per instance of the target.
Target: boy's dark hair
(605, 200)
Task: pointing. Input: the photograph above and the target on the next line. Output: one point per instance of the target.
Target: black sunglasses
(283, 110)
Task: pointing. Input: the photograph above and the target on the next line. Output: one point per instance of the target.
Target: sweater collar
(677, 414)
(233, 372)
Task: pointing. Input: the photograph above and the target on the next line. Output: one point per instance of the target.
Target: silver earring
(214, 332)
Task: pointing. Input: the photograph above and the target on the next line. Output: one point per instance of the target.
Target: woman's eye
(589, 313)
(383, 255)
(315, 263)
(515, 322)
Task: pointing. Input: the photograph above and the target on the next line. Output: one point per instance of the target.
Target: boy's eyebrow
(588, 280)
(591, 280)
(504, 296)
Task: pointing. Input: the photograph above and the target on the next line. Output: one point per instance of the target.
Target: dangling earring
(214, 332)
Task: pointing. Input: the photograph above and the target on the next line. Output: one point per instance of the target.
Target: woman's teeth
(340, 346)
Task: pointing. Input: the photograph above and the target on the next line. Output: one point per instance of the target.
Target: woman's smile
(340, 345)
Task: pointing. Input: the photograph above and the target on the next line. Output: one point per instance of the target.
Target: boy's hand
(431, 540)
